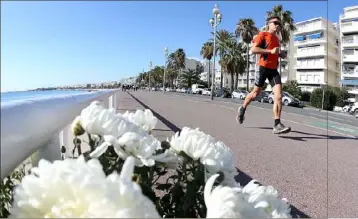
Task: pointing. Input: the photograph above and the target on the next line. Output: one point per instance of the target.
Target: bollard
(115, 101)
(110, 102)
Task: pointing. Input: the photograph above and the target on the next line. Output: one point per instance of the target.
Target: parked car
(206, 91)
(224, 93)
(263, 97)
(239, 94)
(287, 99)
(354, 110)
(197, 88)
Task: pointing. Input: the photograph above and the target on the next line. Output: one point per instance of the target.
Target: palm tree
(233, 61)
(156, 75)
(190, 77)
(222, 37)
(207, 53)
(246, 30)
(287, 22)
(178, 60)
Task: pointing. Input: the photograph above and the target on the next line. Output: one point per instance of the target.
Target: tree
(177, 60)
(287, 22)
(222, 37)
(232, 61)
(156, 75)
(246, 30)
(207, 53)
(190, 77)
(330, 99)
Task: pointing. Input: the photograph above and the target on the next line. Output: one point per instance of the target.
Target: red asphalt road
(319, 176)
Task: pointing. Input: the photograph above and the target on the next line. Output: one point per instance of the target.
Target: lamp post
(150, 68)
(214, 23)
(165, 66)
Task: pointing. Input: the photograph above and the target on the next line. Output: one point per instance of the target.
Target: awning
(299, 38)
(349, 82)
(315, 36)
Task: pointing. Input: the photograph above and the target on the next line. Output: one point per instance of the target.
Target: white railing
(349, 27)
(34, 126)
(350, 56)
(350, 40)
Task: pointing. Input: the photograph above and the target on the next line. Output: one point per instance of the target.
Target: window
(303, 77)
(317, 78)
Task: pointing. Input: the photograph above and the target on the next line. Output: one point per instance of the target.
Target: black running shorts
(266, 73)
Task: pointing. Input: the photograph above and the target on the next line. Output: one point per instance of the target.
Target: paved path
(316, 173)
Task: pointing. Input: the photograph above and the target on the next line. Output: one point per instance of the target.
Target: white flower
(144, 119)
(228, 202)
(142, 148)
(267, 197)
(75, 188)
(97, 120)
(214, 155)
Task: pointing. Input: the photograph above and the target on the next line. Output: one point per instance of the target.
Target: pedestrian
(267, 45)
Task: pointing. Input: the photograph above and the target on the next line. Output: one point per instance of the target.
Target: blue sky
(62, 43)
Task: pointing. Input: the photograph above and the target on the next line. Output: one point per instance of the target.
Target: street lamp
(150, 68)
(214, 23)
(165, 66)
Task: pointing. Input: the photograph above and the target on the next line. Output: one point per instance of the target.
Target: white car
(354, 110)
(206, 91)
(239, 94)
(287, 99)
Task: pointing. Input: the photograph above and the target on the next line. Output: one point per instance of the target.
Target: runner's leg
(259, 83)
(275, 81)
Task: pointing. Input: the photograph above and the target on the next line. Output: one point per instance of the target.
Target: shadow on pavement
(241, 178)
(244, 179)
(308, 135)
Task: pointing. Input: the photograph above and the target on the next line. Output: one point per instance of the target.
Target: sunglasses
(276, 23)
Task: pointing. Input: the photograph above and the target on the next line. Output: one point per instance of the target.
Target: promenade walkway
(316, 173)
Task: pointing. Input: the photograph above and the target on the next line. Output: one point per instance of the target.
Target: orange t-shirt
(267, 40)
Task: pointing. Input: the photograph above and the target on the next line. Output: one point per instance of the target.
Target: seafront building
(316, 54)
(348, 23)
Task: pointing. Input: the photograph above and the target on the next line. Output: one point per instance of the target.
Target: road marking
(300, 123)
(324, 129)
(327, 116)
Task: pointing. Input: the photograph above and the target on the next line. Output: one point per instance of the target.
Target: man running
(267, 44)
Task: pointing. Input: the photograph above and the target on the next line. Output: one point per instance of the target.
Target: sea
(18, 96)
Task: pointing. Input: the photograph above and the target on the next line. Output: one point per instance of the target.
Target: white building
(316, 54)
(348, 23)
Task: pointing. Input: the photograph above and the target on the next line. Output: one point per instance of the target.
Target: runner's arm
(257, 50)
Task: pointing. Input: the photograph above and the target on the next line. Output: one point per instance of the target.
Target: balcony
(310, 27)
(349, 27)
(350, 55)
(349, 13)
(315, 53)
(310, 77)
(321, 65)
(350, 41)
(310, 41)
(350, 71)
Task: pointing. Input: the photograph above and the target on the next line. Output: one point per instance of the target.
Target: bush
(292, 88)
(305, 96)
(330, 99)
(342, 94)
